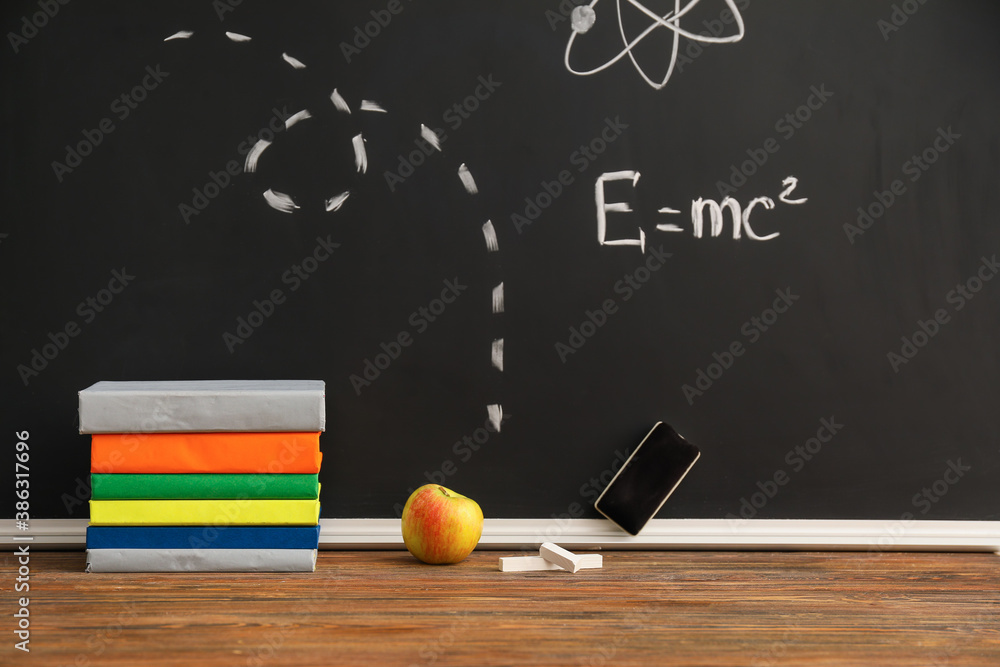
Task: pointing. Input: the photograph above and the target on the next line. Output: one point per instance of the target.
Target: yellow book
(239, 512)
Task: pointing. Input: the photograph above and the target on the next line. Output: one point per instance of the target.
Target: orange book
(155, 453)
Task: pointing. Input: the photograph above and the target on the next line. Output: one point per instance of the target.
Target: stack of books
(204, 476)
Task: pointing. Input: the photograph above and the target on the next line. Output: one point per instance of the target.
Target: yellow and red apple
(441, 526)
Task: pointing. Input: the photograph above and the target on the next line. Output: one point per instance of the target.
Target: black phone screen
(647, 478)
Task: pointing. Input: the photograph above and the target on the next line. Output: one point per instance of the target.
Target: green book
(203, 487)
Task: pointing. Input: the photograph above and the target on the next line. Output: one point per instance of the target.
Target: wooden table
(644, 608)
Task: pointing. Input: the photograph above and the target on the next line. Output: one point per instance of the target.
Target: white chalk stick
(537, 563)
(554, 553)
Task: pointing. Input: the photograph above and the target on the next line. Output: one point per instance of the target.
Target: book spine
(140, 412)
(202, 537)
(201, 560)
(203, 486)
(203, 512)
(182, 453)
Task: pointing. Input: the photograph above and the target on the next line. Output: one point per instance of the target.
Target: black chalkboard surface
(772, 225)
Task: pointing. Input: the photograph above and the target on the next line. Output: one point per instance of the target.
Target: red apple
(441, 526)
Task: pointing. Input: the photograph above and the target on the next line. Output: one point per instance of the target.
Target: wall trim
(667, 534)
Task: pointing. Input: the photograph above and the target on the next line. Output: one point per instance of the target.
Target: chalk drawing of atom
(584, 17)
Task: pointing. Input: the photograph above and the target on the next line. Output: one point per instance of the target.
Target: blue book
(203, 537)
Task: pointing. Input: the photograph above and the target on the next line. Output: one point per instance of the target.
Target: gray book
(201, 560)
(204, 406)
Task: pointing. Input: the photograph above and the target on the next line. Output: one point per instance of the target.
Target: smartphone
(647, 479)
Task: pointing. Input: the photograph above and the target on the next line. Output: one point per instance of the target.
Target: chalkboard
(771, 225)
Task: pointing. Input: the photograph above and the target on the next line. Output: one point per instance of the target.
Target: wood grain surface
(643, 608)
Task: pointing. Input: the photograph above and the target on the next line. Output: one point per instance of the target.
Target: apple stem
(444, 491)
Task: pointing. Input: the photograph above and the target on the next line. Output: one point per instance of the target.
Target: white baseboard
(667, 534)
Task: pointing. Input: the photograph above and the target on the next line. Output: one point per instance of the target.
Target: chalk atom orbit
(584, 17)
